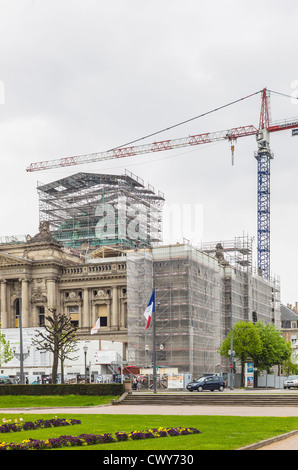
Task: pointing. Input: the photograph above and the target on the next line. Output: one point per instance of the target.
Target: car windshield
(292, 377)
(201, 379)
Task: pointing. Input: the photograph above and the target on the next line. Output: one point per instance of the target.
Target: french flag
(150, 308)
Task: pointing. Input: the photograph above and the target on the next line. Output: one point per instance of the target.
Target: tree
(264, 344)
(246, 343)
(288, 367)
(6, 353)
(66, 351)
(58, 333)
(275, 350)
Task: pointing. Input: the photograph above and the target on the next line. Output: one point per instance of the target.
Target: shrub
(63, 389)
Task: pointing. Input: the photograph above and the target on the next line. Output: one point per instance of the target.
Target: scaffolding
(237, 252)
(198, 298)
(188, 291)
(139, 268)
(88, 210)
(188, 287)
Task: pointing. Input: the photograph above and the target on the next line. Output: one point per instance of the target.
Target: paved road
(163, 410)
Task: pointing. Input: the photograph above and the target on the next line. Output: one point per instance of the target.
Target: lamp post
(85, 349)
(21, 356)
(231, 346)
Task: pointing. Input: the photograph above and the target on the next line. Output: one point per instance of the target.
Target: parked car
(5, 381)
(207, 383)
(291, 381)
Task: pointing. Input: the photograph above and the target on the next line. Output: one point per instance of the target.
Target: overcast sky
(84, 76)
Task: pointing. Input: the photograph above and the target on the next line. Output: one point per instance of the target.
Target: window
(102, 313)
(74, 315)
(41, 316)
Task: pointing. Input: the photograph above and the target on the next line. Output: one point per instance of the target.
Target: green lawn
(24, 401)
(217, 432)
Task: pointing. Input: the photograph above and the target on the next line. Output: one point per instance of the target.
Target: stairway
(209, 399)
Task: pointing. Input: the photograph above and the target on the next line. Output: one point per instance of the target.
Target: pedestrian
(139, 381)
(134, 383)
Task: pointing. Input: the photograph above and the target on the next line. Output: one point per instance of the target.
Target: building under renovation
(198, 297)
(88, 210)
(98, 254)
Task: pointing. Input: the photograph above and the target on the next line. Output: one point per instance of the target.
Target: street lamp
(21, 356)
(85, 349)
(232, 352)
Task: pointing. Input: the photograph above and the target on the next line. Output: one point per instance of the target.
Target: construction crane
(263, 156)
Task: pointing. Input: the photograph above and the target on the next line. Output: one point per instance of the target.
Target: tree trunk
(62, 370)
(55, 363)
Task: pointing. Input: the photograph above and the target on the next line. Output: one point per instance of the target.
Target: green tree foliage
(275, 350)
(5, 351)
(246, 342)
(264, 344)
(288, 368)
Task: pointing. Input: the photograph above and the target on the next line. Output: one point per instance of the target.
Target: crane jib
(122, 152)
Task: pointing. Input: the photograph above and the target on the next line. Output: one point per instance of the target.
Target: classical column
(25, 303)
(85, 320)
(4, 319)
(123, 315)
(114, 317)
(93, 314)
(51, 293)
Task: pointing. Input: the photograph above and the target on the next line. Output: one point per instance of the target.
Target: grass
(24, 401)
(217, 432)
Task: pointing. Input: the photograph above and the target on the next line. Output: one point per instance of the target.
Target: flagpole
(150, 317)
(153, 352)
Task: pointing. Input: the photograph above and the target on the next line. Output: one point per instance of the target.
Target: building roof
(287, 314)
(79, 181)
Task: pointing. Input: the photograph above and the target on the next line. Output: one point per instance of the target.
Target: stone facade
(42, 275)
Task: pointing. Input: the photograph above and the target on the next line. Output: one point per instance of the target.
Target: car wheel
(200, 389)
(221, 388)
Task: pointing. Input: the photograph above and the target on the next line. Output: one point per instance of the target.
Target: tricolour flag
(96, 327)
(150, 308)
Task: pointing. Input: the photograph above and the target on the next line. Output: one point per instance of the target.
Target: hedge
(62, 389)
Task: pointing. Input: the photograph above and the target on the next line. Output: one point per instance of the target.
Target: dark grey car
(207, 383)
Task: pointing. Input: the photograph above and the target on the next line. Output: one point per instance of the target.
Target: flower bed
(90, 439)
(19, 425)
